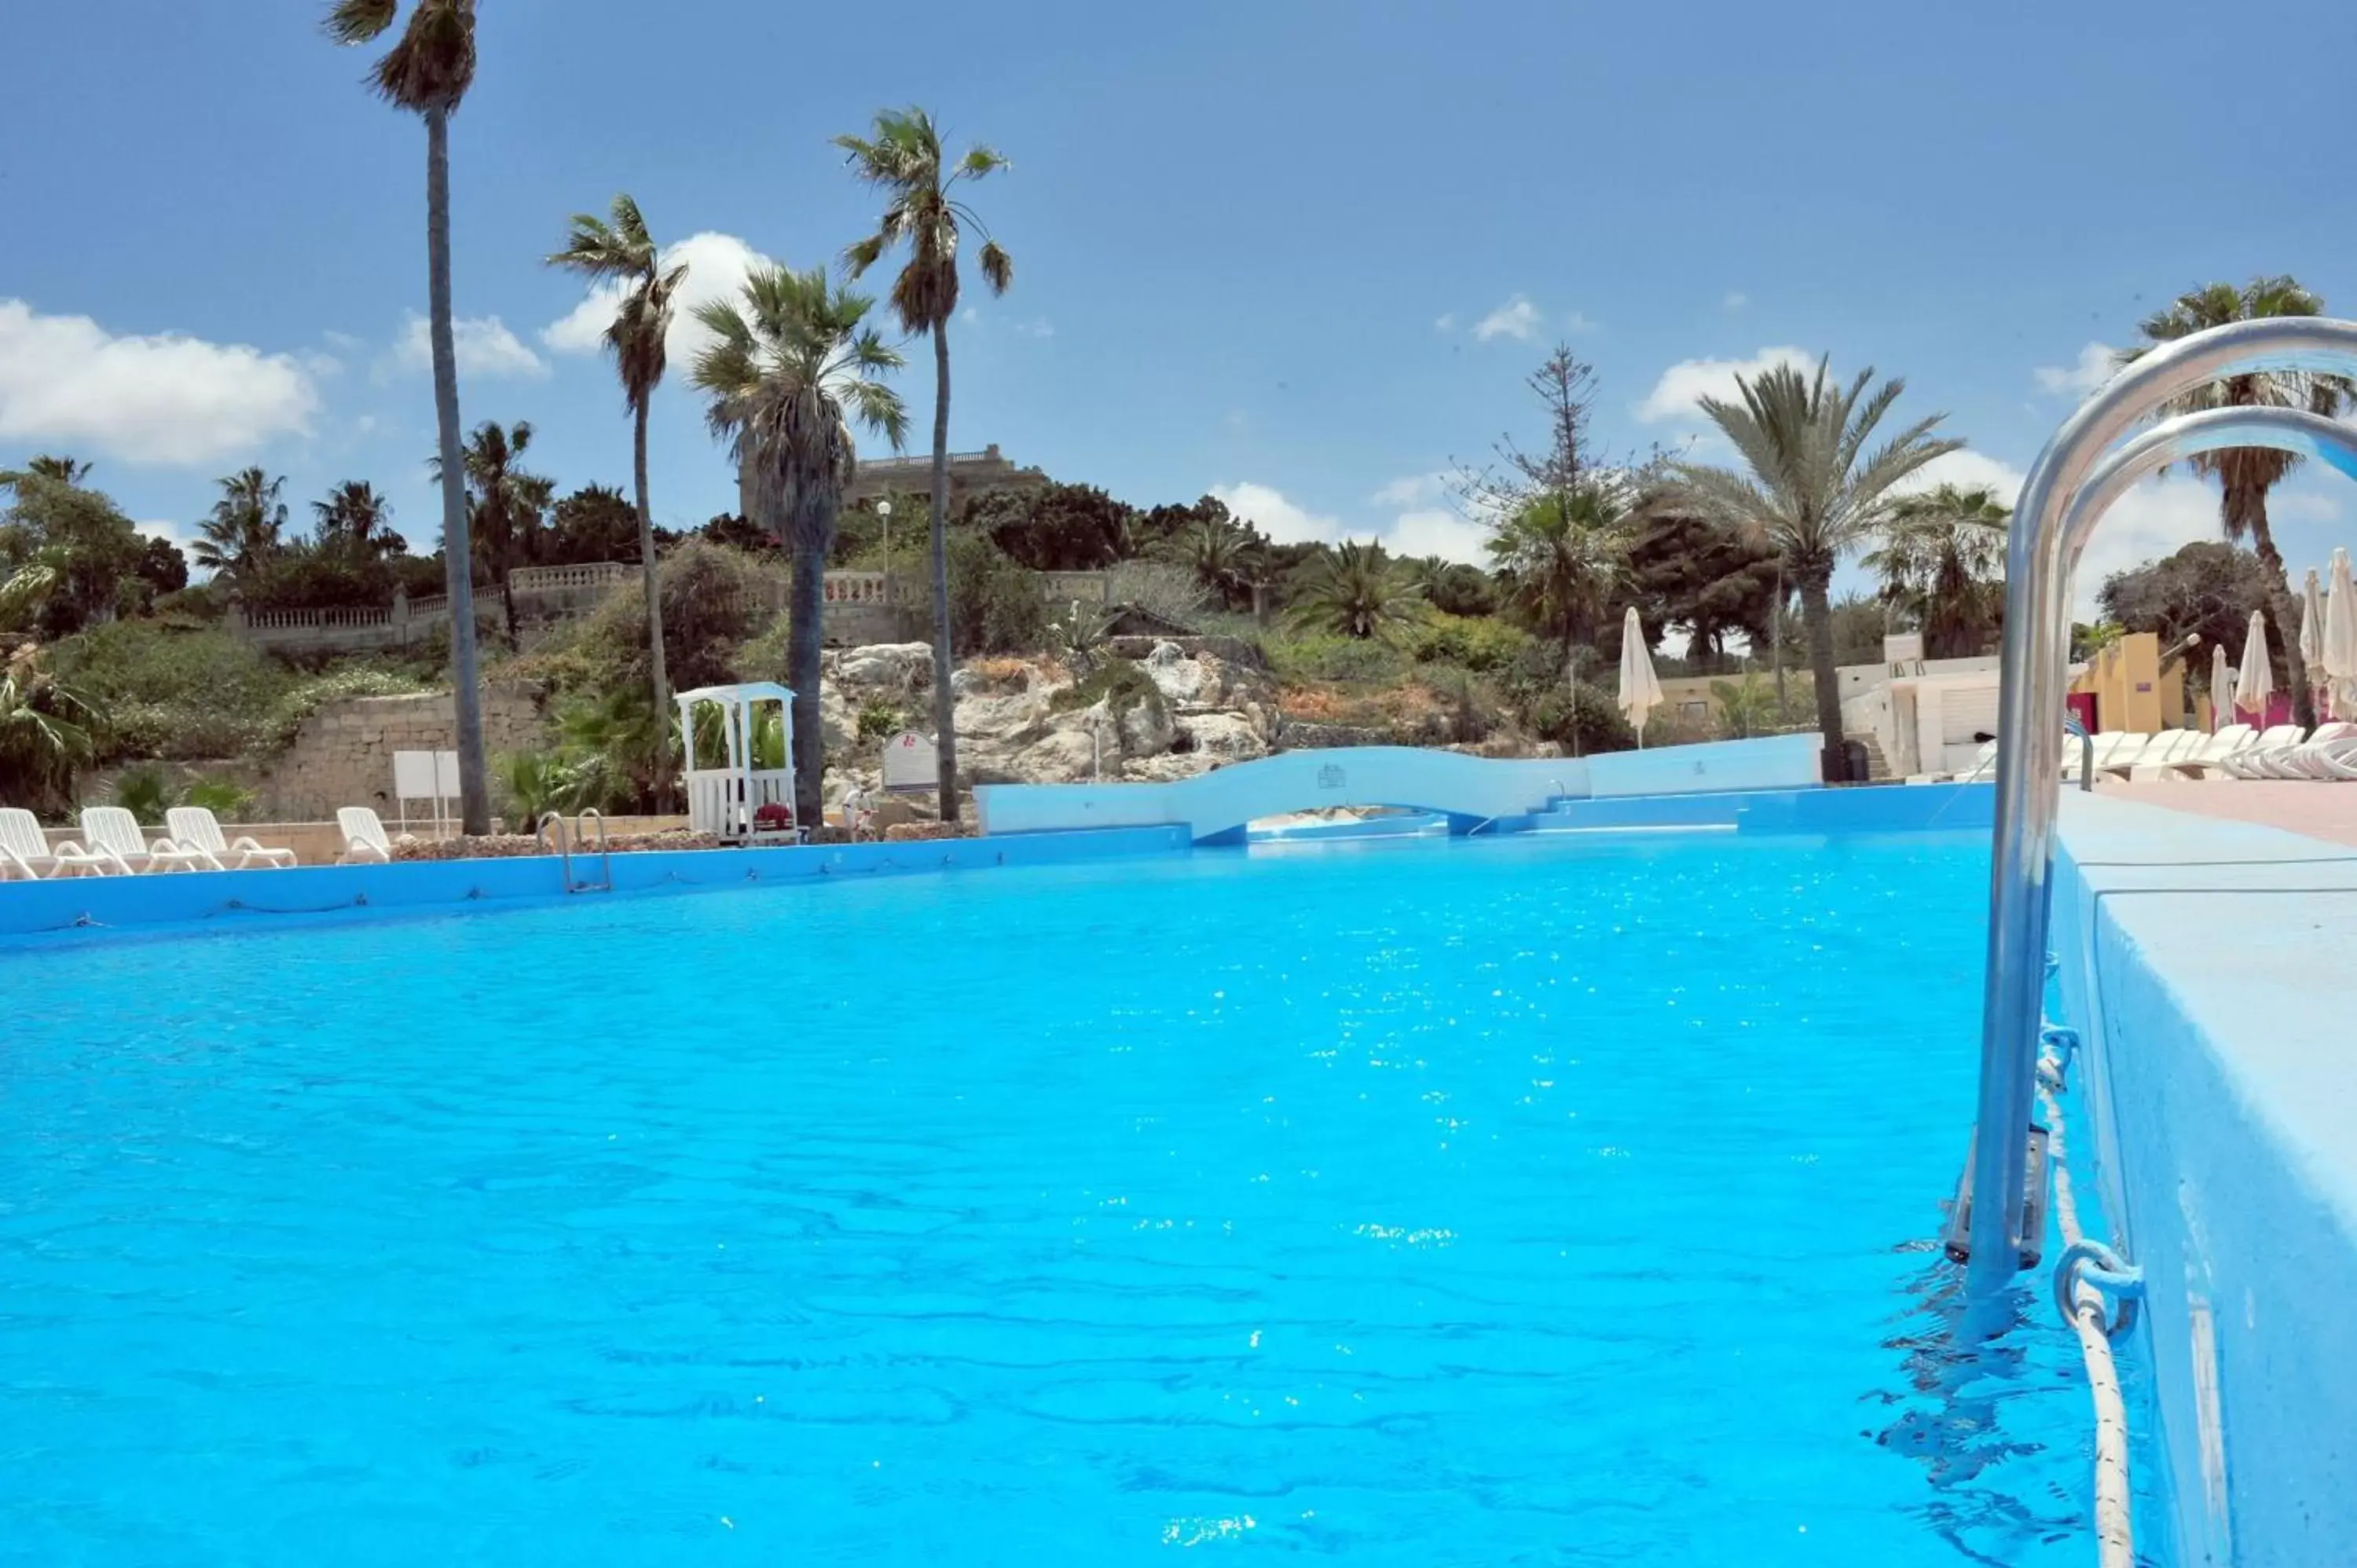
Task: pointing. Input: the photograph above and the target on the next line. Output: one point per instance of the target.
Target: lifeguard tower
(728, 800)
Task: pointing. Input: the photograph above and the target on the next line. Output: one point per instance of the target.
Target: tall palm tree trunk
(1817, 618)
(458, 549)
(945, 700)
(806, 628)
(660, 679)
(2284, 608)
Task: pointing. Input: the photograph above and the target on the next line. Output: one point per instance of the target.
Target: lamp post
(884, 510)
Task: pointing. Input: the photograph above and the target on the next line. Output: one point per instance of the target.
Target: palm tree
(1352, 590)
(44, 732)
(903, 160)
(789, 361)
(427, 71)
(2245, 474)
(64, 470)
(1563, 551)
(1943, 560)
(357, 517)
(505, 504)
(247, 524)
(1223, 557)
(623, 252)
(1813, 491)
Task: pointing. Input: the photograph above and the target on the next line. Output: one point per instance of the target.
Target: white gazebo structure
(728, 800)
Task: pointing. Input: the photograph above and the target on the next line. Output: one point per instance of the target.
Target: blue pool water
(1488, 1202)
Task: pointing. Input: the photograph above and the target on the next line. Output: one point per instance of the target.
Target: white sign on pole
(424, 776)
(910, 765)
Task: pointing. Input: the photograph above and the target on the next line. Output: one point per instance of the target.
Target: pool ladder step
(551, 824)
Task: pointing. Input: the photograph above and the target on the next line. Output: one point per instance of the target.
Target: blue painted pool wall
(183, 898)
(2220, 1076)
(1891, 808)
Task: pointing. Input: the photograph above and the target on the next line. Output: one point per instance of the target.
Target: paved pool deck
(2318, 811)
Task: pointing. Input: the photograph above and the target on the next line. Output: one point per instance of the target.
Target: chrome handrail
(2075, 479)
(2071, 725)
(605, 856)
(563, 849)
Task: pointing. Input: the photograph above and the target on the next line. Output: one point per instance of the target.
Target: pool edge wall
(30, 911)
(2211, 969)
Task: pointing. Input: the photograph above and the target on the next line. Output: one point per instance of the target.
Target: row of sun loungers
(2238, 751)
(113, 844)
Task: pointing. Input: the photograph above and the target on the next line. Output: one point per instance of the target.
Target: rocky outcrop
(1018, 722)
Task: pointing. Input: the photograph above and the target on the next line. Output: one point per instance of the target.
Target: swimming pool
(1484, 1201)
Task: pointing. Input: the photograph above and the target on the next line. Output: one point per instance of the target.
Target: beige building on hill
(971, 474)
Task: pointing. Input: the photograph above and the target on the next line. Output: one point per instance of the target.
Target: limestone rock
(889, 668)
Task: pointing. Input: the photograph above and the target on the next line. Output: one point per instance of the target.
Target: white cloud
(1280, 518)
(65, 380)
(1736, 300)
(1578, 322)
(1517, 318)
(1428, 531)
(1678, 395)
(2095, 367)
(1445, 322)
(1433, 532)
(717, 266)
(1967, 470)
(484, 345)
(1412, 489)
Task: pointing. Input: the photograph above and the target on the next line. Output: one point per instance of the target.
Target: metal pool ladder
(2083, 471)
(553, 819)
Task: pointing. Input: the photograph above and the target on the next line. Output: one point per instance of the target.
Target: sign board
(424, 776)
(911, 767)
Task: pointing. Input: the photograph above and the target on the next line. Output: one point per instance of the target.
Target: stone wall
(343, 755)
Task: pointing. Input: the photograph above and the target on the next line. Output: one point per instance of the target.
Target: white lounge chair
(2247, 763)
(2164, 748)
(2305, 760)
(2111, 747)
(2209, 756)
(365, 840)
(113, 834)
(2338, 761)
(194, 827)
(26, 855)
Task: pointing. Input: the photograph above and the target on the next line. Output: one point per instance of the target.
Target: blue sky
(1298, 255)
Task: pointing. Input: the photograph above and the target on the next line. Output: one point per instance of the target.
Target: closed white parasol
(1641, 694)
(2340, 661)
(2255, 681)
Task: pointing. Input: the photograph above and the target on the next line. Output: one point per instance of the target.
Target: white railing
(717, 803)
(337, 615)
(857, 588)
(556, 579)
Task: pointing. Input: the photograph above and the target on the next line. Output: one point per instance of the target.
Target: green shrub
(996, 606)
(880, 718)
(1587, 722)
(223, 798)
(144, 791)
(1119, 683)
(1471, 707)
(1322, 656)
(1476, 642)
(168, 692)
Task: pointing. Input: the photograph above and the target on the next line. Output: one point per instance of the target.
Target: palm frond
(353, 22)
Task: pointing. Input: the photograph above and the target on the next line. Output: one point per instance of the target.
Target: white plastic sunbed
(2208, 756)
(194, 827)
(2110, 747)
(2305, 760)
(365, 840)
(2247, 762)
(113, 834)
(26, 855)
(2167, 746)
